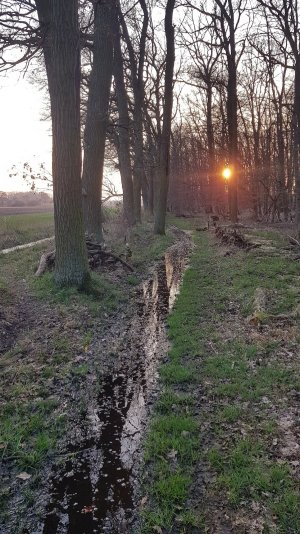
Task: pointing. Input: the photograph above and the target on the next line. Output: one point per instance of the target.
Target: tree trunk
(280, 171)
(61, 46)
(96, 119)
(123, 131)
(213, 183)
(164, 157)
(232, 107)
(139, 175)
(137, 71)
(297, 141)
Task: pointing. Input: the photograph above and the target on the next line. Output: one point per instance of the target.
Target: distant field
(12, 210)
(24, 228)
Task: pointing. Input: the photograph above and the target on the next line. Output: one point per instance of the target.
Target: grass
(29, 432)
(245, 383)
(147, 248)
(100, 296)
(20, 229)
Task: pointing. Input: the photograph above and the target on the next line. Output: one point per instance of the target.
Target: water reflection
(96, 489)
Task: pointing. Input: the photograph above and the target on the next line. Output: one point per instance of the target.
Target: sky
(24, 137)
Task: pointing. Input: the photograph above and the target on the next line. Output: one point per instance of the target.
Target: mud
(96, 489)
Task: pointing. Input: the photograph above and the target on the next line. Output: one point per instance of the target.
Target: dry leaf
(143, 501)
(172, 454)
(158, 529)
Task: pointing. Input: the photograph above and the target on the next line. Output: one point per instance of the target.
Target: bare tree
(136, 64)
(285, 16)
(164, 156)
(52, 27)
(97, 116)
(123, 127)
(61, 46)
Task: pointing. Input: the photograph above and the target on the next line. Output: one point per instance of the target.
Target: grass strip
(246, 385)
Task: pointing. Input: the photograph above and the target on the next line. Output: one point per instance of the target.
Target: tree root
(96, 256)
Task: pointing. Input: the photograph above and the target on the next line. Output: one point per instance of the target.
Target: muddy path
(96, 489)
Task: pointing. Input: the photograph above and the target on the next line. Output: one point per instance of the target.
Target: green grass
(147, 247)
(20, 229)
(100, 296)
(237, 374)
(245, 474)
(29, 432)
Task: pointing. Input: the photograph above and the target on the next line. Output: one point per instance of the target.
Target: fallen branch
(96, 256)
(230, 236)
(294, 241)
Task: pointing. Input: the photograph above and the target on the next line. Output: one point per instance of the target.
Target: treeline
(117, 95)
(26, 198)
(243, 110)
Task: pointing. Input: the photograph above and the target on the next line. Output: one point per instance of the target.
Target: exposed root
(96, 256)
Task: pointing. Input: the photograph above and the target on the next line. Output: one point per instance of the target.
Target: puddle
(95, 490)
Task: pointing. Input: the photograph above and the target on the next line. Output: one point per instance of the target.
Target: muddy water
(95, 491)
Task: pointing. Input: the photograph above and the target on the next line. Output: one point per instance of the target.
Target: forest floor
(222, 451)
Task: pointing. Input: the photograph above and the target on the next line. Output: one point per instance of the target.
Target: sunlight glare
(226, 173)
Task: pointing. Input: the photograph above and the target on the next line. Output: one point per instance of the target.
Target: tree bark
(96, 119)
(123, 129)
(232, 107)
(164, 157)
(61, 47)
(297, 140)
(136, 73)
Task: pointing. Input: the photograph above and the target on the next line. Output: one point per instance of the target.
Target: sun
(226, 173)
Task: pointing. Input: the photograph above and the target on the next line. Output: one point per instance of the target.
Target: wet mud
(96, 489)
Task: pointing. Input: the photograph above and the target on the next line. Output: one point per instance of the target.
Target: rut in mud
(97, 487)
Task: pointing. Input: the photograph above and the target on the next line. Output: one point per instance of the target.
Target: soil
(92, 482)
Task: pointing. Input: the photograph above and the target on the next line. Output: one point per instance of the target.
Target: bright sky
(23, 136)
